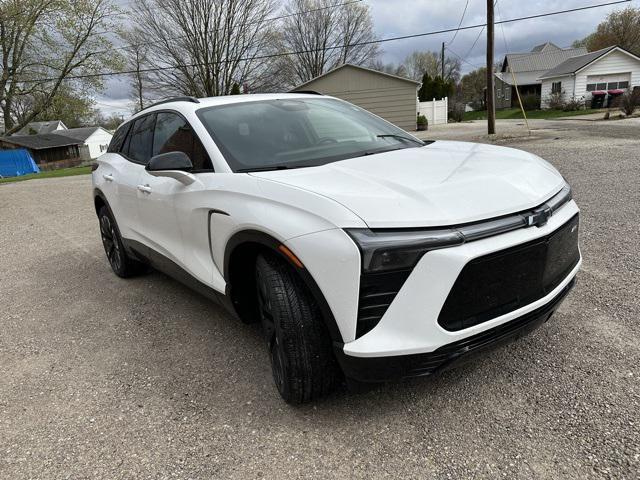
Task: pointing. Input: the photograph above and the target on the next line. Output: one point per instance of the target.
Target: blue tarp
(16, 162)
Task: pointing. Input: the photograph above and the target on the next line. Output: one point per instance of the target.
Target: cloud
(404, 17)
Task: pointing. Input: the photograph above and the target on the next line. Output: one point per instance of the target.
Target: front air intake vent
(377, 291)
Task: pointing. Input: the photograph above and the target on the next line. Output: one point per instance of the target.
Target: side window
(140, 138)
(118, 138)
(174, 134)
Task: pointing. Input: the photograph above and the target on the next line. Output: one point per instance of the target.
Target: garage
(388, 96)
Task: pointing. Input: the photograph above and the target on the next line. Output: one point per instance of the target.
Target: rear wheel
(302, 360)
(121, 264)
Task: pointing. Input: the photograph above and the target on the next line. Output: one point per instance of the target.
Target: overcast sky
(404, 17)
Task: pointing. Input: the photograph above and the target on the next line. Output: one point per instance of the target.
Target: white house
(95, 140)
(35, 128)
(605, 73)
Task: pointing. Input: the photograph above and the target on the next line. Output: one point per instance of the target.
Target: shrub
(573, 105)
(630, 101)
(530, 101)
(456, 112)
(422, 120)
(556, 102)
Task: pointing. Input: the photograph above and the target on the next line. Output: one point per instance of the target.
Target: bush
(530, 101)
(456, 112)
(422, 120)
(573, 105)
(630, 101)
(556, 102)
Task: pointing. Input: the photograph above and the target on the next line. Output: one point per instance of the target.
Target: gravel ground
(108, 378)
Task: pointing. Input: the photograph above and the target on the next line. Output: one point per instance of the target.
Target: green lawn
(516, 113)
(62, 172)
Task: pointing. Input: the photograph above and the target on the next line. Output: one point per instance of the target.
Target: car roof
(185, 105)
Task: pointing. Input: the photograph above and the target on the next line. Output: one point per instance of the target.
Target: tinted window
(118, 138)
(140, 138)
(174, 134)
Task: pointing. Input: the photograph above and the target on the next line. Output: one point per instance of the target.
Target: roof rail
(308, 92)
(173, 99)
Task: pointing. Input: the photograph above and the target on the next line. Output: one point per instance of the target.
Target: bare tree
(45, 45)
(320, 36)
(203, 47)
(419, 63)
(397, 70)
(136, 52)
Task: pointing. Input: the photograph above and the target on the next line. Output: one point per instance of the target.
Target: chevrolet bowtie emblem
(538, 217)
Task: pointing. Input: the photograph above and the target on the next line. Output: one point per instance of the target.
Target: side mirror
(175, 165)
(170, 161)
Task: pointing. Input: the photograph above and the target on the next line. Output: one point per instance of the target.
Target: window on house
(556, 87)
(612, 85)
(601, 86)
(623, 84)
(591, 87)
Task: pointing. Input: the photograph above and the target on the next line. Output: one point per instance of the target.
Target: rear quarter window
(115, 145)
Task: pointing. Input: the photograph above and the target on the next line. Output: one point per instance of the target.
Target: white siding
(567, 89)
(616, 62)
(100, 138)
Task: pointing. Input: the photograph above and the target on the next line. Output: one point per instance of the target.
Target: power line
(504, 37)
(334, 47)
(462, 59)
(269, 19)
(466, 5)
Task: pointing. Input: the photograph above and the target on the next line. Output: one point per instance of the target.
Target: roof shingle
(574, 64)
(41, 141)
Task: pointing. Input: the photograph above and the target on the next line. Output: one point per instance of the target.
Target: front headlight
(399, 250)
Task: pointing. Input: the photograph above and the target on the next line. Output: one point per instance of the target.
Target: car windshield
(298, 132)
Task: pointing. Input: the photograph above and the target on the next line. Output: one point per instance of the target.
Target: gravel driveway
(108, 378)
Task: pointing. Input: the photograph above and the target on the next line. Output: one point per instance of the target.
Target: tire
(121, 264)
(302, 361)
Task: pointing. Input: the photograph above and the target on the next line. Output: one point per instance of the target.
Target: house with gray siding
(607, 72)
(388, 96)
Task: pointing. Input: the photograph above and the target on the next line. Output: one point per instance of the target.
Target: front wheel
(302, 360)
(121, 264)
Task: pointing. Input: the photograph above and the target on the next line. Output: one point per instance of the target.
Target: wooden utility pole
(442, 61)
(491, 106)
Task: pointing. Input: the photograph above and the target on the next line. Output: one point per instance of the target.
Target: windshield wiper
(264, 169)
(400, 137)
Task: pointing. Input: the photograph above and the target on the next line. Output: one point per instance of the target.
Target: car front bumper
(397, 367)
(409, 340)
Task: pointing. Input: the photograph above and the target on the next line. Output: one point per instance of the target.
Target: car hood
(443, 183)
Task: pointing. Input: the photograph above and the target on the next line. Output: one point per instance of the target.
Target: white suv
(365, 253)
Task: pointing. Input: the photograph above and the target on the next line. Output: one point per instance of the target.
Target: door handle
(144, 188)
(108, 177)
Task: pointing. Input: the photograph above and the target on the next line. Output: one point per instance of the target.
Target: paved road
(108, 378)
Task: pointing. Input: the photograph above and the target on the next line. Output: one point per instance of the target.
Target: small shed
(388, 96)
(49, 150)
(95, 140)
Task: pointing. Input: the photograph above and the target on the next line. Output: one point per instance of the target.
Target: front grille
(504, 281)
(377, 291)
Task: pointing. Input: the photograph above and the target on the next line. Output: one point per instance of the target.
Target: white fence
(436, 111)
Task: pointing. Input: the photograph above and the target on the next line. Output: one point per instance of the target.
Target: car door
(119, 182)
(157, 196)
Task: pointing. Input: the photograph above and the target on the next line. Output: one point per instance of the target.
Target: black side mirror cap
(170, 161)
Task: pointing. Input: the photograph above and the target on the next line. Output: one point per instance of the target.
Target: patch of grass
(61, 172)
(516, 113)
